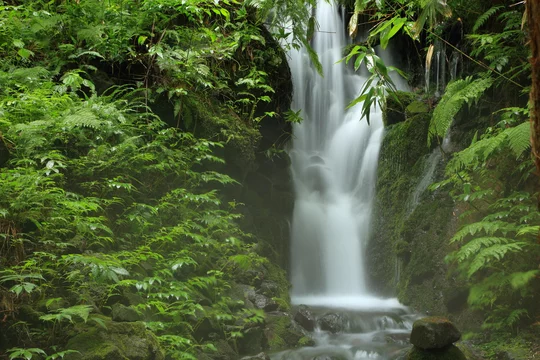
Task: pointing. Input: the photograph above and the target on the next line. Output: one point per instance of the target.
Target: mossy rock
(448, 353)
(119, 341)
(394, 111)
(434, 332)
(281, 332)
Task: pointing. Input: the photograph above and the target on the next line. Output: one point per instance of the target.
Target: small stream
(375, 329)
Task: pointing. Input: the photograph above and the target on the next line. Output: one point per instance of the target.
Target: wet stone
(333, 323)
(305, 318)
(434, 332)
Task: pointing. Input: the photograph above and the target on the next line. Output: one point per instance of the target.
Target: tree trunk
(533, 19)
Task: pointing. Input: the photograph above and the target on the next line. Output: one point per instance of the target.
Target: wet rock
(434, 333)
(252, 342)
(252, 277)
(124, 313)
(392, 338)
(240, 294)
(224, 351)
(305, 318)
(260, 356)
(269, 288)
(281, 332)
(263, 302)
(333, 323)
(448, 353)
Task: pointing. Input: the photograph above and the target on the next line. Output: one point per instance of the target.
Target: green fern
(492, 253)
(519, 280)
(519, 138)
(458, 93)
(485, 17)
(487, 227)
(516, 138)
(474, 246)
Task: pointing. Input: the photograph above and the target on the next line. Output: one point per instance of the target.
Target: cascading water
(334, 162)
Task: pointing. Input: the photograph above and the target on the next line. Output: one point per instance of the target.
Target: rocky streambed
(384, 333)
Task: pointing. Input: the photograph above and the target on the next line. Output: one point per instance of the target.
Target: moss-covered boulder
(434, 332)
(124, 313)
(119, 341)
(396, 104)
(282, 332)
(448, 353)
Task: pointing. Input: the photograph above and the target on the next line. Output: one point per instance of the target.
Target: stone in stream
(434, 332)
(305, 318)
(333, 323)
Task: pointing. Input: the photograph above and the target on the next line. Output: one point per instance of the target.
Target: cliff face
(412, 224)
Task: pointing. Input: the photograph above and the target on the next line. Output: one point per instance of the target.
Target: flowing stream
(334, 162)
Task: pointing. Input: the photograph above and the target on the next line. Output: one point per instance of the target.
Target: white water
(334, 162)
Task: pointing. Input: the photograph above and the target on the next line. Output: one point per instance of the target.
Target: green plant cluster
(496, 250)
(102, 200)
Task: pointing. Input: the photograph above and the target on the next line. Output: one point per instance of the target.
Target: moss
(449, 353)
(277, 275)
(277, 332)
(281, 333)
(306, 341)
(394, 110)
(119, 341)
(403, 153)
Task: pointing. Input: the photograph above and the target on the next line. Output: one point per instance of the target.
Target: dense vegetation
(492, 180)
(105, 202)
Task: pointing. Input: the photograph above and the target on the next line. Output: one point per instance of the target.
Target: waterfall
(334, 162)
(334, 157)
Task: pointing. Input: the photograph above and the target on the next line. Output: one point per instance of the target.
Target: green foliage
(100, 197)
(485, 17)
(458, 93)
(378, 85)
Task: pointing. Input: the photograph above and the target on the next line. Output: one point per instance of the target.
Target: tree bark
(533, 19)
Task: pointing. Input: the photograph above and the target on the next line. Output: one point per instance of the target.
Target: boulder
(434, 332)
(269, 288)
(333, 323)
(281, 332)
(305, 318)
(124, 313)
(119, 341)
(263, 302)
(224, 351)
(253, 341)
(448, 353)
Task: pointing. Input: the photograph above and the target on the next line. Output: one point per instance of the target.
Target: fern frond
(456, 95)
(487, 227)
(83, 118)
(519, 138)
(475, 246)
(519, 280)
(528, 230)
(485, 17)
(495, 252)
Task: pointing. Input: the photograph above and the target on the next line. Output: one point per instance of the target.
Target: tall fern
(457, 94)
(485, 17)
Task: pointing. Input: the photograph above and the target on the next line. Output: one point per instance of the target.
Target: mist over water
(334, 162)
